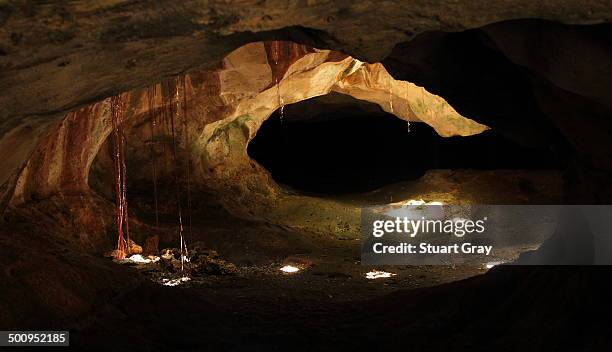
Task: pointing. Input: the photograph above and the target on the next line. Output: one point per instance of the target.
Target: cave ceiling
(57, 56)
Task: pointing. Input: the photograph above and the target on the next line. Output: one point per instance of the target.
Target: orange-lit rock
(225, 107)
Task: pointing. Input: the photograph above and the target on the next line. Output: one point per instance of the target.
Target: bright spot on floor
(289, 269)
(137, 258)
(175, 282)
(489, 265)
(377, 274)
(416, 202)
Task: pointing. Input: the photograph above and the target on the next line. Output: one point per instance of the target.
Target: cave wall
(492, 74)
(569, 70)
(56, 57)
(211, 115)
(539, 83)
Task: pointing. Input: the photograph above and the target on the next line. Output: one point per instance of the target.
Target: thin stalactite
(151, 95)
(172, 105)
(187, 152)
(117, 106)
(276, 55)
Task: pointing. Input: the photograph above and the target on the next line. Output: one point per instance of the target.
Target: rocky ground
(506, 309)
(237, 297)
(334, 275)
(227, 254)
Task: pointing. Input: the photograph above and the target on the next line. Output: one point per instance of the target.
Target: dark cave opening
(351, 149)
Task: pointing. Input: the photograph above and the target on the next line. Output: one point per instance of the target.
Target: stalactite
(173, 109)
(390, 99)
(276, 72)
(281, 103)
(117, 106)
(151, 94)
(275, 48)
(408, 119)
(187, 153)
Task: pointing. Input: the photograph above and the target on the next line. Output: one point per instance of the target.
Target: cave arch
(245, 91)
(227, 106)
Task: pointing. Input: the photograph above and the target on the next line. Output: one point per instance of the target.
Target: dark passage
(350, 149)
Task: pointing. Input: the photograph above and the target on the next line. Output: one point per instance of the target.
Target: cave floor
(329, 305)
(258, 306)
(330, 266)
(331, 275)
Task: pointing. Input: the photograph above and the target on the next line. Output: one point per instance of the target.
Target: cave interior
(235, 185)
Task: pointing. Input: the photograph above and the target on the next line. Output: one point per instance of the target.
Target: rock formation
(225, 108)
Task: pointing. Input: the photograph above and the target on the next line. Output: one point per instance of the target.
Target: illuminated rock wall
(225, 108)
